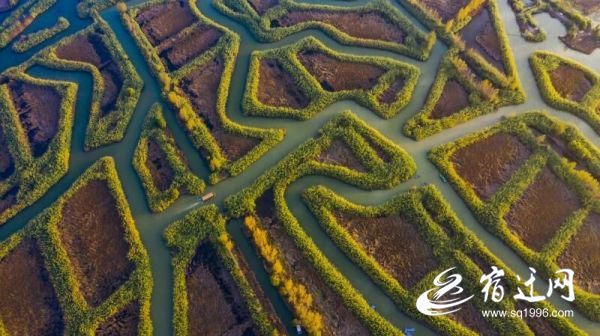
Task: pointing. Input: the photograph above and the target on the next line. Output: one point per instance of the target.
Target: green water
(151, 225)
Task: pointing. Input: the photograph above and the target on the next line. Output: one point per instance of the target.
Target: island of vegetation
(28, 41)
(57, 275)
(533, 181)
(193, 59)
(300, 80)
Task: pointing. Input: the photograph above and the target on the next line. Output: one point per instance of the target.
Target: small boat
(208, 197)
(443, 178)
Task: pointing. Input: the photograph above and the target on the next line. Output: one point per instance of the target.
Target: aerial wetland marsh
(259, 167)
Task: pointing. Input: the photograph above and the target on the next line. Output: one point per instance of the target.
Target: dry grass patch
(488, 163)
(90, 48)
(38, 108)
(542, 209)
(395, 243)
(164, 20)
(340, 154)
(28, 304)
(277, 87)
(160, 169)
(123, 323)
(336, 75)
(202, 88)
(571, 83)
(215, 305)
(582, 255)
(454, 98)
(366, 25)
(90, 223)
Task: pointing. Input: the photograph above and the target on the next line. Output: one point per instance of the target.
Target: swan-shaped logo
(446, 286)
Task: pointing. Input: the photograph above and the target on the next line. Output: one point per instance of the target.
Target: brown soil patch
(7, 164)
(179, 50)
(539, 326)
(91, 222)
(162, 21)
(481, 35)
(542, 209)
(202, 88)
(216, 306)
(90, 48)
(488, 163)
(262, 6)
(391, 93)
(369, 25)
(336, 75)
(571, 83)
(276, 87)
(583, 256)
(340, 154)
(379, 150)
(394, 243)
(124, 323)
(28, 304)
(453, 99)
(337, 318)
(160, 169)
(584, 41)
(561, 147)
(470, 316)
(446, 9)
(38, 108)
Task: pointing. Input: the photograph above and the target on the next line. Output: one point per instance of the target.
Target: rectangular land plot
(90, 222)
(28, 304)
(369, 25)
(177, 52)
(38, 108)
(582, 255)
(488, 163)
(403, 243)
(395, 243)
(542, 209)
(174, 30)
(539, 211)
(215, 304)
